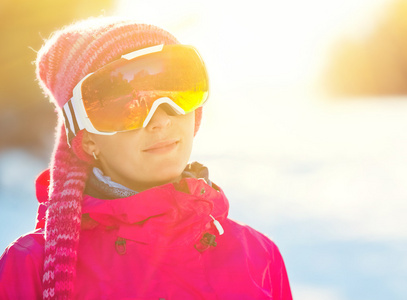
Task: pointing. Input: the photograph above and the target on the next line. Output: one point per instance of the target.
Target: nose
(161, 118)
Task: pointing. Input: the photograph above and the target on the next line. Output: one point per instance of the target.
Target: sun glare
(283, 43)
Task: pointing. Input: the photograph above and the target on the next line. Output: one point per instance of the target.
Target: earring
(94, 156)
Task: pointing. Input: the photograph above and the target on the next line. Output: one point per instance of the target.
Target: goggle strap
(71, 124)
(144, 51)
(74, 121)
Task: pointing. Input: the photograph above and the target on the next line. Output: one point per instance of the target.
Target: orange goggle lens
(119, 96)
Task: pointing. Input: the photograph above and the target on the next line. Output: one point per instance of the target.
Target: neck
(142, 186)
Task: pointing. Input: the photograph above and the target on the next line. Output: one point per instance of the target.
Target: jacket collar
(101, 186)
(168, 215)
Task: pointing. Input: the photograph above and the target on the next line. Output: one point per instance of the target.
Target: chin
(170, 173)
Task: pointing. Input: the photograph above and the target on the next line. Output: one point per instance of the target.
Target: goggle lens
(119, 96)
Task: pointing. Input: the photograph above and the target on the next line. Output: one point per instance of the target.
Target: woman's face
(146, 157)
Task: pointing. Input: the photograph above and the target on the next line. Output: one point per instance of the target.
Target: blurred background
(305, 130)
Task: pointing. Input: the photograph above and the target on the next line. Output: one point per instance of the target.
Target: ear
(88, 143)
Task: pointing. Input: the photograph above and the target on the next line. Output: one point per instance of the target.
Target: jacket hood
(41, 190)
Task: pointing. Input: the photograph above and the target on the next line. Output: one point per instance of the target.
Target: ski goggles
(124, 94)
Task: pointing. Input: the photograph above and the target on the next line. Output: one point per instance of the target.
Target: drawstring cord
(208, 240)
(217, 225)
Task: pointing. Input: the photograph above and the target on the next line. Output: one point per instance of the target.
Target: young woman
(122, 214)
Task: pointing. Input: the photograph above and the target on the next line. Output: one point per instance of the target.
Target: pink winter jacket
(157, 244)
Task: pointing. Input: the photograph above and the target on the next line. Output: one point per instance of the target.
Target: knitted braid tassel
(63, 221)
(70, 54)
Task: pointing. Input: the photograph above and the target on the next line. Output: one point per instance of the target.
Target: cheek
(111, 148)
(189, 132)
(117, 148)
(188, 124)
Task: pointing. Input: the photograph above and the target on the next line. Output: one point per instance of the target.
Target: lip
(162, 146)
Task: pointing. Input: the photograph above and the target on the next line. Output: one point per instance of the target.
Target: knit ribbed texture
(63, 221)
(62, 62)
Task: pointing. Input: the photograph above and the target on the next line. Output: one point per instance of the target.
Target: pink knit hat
(62, 62)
